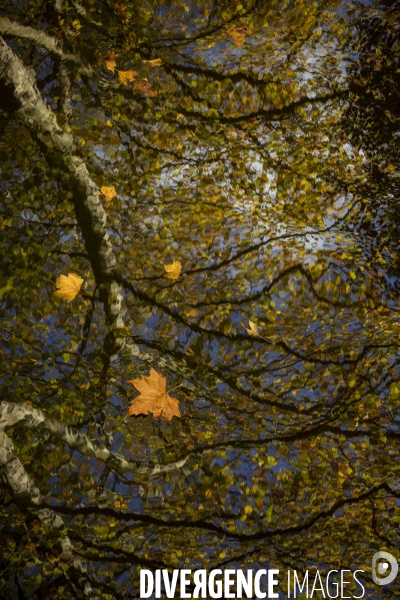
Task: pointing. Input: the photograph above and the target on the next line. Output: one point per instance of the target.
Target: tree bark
(41, 38)
(12, 413)
(58, 148)
(26, 495)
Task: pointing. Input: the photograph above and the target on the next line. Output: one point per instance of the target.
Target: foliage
(372, 120)
(232, 139)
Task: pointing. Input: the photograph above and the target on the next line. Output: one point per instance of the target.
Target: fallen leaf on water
(173, 270)
(155, 62)
(68, 286)
(256, 331)
(239, 35)
(109, 192)
(110, 61)
(153, 397)
(125, 76)
(144, 87)
(119, 8)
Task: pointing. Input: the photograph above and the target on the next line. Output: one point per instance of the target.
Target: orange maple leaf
(68, 286)
(153, 397)
(239, 35)
(173, 270)
(110, 61)
(109, 192)
(119, 8)
(126, 76)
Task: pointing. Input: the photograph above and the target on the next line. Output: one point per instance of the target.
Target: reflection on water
(257, 145)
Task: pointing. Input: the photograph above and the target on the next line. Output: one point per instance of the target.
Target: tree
(223, 129)
(372, 119)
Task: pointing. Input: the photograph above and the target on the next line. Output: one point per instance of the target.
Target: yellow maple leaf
(256, 331)
(155, 62)
(68, 286)
(144, 87)
(239, 35)
(110, 61)
(153, 397)
(173, 270)
(126, 76)
(109, 192)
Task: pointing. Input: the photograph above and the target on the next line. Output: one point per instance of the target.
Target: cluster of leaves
(372, 119)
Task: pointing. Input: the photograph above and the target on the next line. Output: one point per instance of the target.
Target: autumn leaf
(68, 286)
(110, 61)
(109, 192)
(153, 397)
(126, 76)
(119, 8)
(173, 270)
(144, 87)
(155, 62)
(239, 35)
(256, 331)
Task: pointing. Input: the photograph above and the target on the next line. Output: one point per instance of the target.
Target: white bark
(25, 494)
(41, 38)
(17, 479)
(34, 418)
(58, 148)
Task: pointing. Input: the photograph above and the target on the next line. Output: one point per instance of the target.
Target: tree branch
(41, 38)
(25, 493)
(11, 414)
(58, 147)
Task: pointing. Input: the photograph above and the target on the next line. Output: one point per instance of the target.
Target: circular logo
(389, 560)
